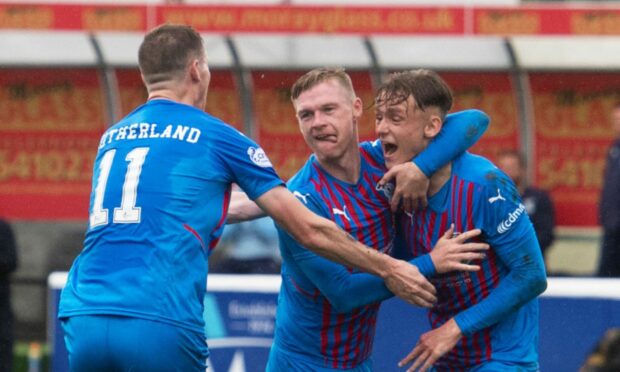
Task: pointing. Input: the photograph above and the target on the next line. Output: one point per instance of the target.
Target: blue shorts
(116, 343)
(494, 366)
(283, 361)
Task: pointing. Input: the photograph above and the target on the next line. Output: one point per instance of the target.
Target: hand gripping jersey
(161, 187)
(495, 307)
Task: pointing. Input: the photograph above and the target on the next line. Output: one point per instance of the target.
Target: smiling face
(409, 110)
(404, 129)
(327, 114)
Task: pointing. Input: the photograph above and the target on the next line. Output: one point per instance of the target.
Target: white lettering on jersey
(498, 197)
(258, 157)
(513, 216)
(145, 130)
(301, 196)
(342, 212)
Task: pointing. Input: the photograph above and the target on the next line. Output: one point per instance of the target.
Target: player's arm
(325, 238)
(525, 281)
(242, 208)
(450, 253)
(345, 291)
(460, 131)
(509, 231)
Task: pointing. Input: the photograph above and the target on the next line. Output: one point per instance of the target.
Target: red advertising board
(580, 19)
(493, 94)
(573, 132)
(50, 124)
(223, 100)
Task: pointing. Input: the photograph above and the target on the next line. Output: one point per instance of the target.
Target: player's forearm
(321, 235)
(524, 282)
(241, 208)
(328, 240)
(346, 291)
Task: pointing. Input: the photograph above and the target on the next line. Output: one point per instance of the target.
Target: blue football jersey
(494, 307)
(160, 191)
(325, 314)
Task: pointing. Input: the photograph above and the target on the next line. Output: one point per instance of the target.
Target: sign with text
(440, 20)
(573, 131)
(50, 125)
(493, 94)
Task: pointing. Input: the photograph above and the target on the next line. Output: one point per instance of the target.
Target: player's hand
(431, 346)
(406, 282)
(411, 186)
(452, 253)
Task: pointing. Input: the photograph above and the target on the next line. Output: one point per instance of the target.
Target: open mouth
(389, 148)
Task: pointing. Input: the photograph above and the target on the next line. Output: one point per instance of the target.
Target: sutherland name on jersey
(145, 130)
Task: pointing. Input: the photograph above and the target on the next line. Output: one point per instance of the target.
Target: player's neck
(346, 168)
(174, 92)
(439, 179)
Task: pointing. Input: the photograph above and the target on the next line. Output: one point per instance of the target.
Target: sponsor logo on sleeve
(513, 216)
(258, 157)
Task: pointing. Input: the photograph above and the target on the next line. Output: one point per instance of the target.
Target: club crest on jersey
(387, 189)
(258, 157)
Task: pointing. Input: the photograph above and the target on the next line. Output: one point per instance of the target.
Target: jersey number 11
(127, 212)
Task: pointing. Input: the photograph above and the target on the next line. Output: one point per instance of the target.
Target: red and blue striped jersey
(496, 307)
(327, 312)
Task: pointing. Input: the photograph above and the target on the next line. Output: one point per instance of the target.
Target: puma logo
(341, 212)
(496, 198)
(301, 196)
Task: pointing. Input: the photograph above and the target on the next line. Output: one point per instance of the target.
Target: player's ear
(358, 109)
(433, 127)
(194, 70)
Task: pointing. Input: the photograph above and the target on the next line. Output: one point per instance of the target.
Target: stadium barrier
(240, 315)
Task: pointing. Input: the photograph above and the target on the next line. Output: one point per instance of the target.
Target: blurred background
(547, 73)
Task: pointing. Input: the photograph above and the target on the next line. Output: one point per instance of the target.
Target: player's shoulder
(373, 150)
(481, 171)
(304, 182)
(304, 177)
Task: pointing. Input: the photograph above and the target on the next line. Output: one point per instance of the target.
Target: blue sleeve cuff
(425, 265)
(424, 167)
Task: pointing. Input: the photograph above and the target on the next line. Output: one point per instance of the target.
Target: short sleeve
(245, 161)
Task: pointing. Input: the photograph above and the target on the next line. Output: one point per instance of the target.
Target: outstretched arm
(460, 131)
(325, 238)
(242, 208)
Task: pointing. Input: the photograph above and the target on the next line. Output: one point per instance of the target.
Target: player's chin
(392, 160)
